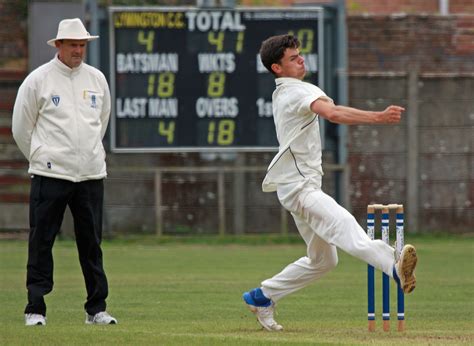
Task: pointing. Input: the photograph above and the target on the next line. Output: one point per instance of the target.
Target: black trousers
(48, 200)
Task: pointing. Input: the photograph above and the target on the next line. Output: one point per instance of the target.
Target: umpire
(59, 119)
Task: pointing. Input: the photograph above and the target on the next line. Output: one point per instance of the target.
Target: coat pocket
(35, 149)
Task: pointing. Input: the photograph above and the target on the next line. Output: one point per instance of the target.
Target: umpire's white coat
(59, 120)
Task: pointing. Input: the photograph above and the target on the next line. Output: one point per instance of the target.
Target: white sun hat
(71, 29)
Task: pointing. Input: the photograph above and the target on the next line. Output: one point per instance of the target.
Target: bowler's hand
(391, 115)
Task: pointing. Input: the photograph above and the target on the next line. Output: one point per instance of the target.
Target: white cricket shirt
(297, 129)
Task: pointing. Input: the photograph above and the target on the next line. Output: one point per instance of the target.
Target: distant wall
(406, 6)
(427, 161)
(13, 36)
(438, 44)
(379, 155)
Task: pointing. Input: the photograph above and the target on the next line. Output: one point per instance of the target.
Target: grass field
(182, 294)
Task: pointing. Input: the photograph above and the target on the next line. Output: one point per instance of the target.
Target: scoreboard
(191, 79)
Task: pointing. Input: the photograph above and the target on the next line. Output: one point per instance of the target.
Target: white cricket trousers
(324, 226)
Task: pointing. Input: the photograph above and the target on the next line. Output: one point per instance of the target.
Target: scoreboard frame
(280, 12)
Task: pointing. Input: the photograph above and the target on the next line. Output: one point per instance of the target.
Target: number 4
(217, 40)
(146, 40)
(166, 131)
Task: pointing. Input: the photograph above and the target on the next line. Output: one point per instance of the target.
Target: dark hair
(273, 49)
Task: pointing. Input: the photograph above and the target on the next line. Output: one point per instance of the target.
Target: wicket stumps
(385, 209)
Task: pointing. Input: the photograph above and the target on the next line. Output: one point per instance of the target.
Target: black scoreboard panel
(190, 79)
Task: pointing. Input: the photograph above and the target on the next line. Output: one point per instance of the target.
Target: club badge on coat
(90, 96)
(55, 99)
(93, 101)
